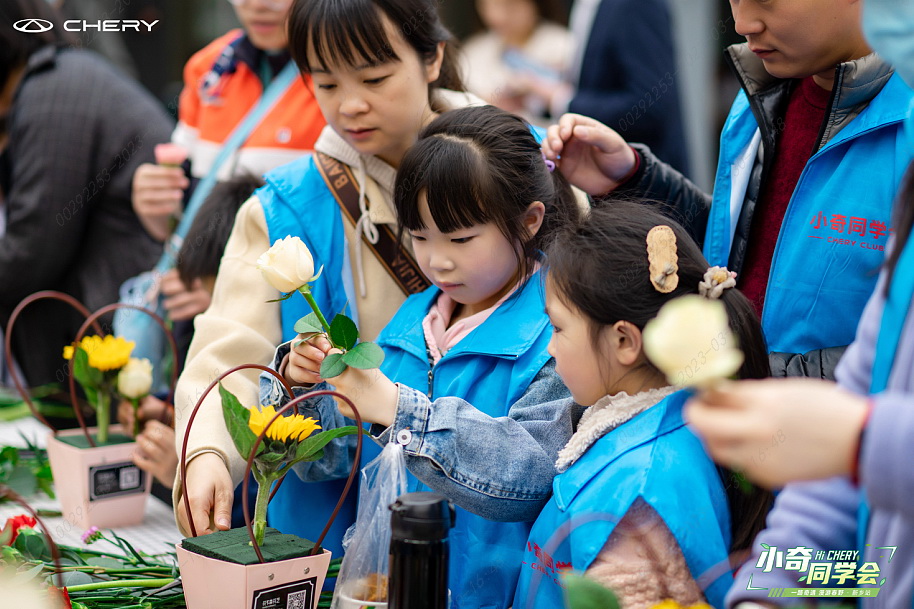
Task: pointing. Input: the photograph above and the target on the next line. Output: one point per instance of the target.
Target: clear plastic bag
(362, 581)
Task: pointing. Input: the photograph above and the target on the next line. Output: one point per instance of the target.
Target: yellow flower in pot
(97, 362)
(237, 567)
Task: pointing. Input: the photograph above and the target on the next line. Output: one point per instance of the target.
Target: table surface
(156, 534)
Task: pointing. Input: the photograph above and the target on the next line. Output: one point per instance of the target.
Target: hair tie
(550, 165)
(662, 258)
(716, 280)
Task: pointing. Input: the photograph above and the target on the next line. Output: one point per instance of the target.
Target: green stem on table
(306, 292)
(259, 522)
(123, 583)
(103, 414)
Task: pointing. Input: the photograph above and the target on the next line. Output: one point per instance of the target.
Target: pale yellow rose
(691, 342)
(135, 379)
(288, 265)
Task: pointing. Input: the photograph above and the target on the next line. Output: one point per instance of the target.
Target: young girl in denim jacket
(478, 202)
(637, 503)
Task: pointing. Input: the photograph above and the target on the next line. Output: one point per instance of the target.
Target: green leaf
(31, 574)
(283, 297)
(364, 356)
(270, 457)
(333, 365)
(308, 324)
(23, 481)
(315, 456)
(84, 373)
(236, 421)
(319, 440)
(584, 593)
(32, 545)
(343, 332)
(9, 454)
(76, 578)
(105, 562)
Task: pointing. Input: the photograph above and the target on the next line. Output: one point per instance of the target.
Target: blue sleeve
(855, 370)
(499, 468)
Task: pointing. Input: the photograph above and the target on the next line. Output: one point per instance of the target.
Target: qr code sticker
(297, 600)
(129, 478)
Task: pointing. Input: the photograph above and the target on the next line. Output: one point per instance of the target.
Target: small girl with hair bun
(468, 354)
(637, 504)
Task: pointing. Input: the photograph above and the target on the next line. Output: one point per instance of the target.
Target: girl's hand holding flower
(375, 395)
(303, 367)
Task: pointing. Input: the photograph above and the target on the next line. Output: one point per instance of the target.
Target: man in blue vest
(811, 157)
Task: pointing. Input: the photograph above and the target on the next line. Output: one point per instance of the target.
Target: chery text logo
(37, 26)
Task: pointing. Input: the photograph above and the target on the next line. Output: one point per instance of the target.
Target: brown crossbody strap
(390, 252)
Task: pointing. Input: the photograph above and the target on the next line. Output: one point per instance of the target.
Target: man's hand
(589, 154)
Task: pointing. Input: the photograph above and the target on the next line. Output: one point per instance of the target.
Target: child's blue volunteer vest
(832, 240)
(652, 456)
(490, 369)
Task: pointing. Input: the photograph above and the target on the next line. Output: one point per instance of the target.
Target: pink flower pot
(210, 583)
(98, 486)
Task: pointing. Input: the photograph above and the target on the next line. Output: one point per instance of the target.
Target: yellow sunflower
(295, 427)
(108, 353)
(671, 604)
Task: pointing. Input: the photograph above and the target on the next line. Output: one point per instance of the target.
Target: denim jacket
(505, 404)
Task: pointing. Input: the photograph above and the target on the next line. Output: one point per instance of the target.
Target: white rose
(135, 379)
(288, 265)
(691, 343)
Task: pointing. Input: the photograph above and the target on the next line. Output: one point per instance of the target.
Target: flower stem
(307, 294)
(260, 507)
(122, 583)
(103, 414)
(135, 402)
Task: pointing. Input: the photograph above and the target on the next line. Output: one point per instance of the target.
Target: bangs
(455, 169)
(346, 33)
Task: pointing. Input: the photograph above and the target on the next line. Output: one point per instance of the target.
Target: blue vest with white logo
(653, 457)
(832, 239)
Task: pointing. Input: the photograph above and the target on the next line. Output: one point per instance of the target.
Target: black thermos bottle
(420, 523)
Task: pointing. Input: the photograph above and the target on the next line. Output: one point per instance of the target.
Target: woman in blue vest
(478, 202)
(381, 71)
(851, 442)
(637, 505)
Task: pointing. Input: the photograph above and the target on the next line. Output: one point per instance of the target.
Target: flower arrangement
(134, 382)
(288, 440)
(103, 365)
(289, 267)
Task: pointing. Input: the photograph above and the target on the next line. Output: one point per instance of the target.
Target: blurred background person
(75, 131)
(624, 74)
(524, 46)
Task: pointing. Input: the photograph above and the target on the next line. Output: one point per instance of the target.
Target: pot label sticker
(115, 480)
(295, 595)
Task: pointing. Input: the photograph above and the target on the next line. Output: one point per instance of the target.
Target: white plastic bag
(362, 581)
